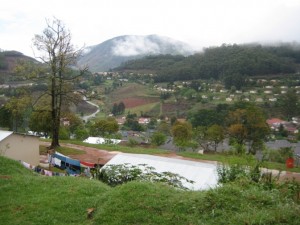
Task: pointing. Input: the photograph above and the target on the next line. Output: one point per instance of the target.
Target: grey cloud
(135, 45)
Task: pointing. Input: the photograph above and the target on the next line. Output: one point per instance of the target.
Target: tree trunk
(55, 116)
(55, 137)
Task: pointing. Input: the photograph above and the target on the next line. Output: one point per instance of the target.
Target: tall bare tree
(59, 55)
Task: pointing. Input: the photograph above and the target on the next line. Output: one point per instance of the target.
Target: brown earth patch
(170, 108)
(290, 176)
(138, 101)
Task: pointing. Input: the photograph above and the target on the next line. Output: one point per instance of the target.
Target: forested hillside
(8, 62)
(226, 61)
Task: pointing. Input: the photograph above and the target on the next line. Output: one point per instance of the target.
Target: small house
(273, 99)
(143, 120)
(274, 123)
(20, 147)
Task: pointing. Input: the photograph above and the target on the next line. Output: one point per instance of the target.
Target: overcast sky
(200, 23)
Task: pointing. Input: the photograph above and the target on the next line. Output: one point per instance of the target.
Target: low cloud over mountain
(115, 51)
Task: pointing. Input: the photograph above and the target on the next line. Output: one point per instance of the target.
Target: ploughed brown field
(138, 101)
(172, 107)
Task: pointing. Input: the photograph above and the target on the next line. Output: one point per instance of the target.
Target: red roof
(275, 121)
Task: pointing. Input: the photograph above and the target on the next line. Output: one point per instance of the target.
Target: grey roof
(203, 174)
(4, 134)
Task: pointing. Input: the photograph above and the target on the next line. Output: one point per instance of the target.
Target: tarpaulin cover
(87, 164)
(73, 162)
(60, 156)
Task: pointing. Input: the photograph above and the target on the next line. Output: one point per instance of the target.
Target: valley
(116, 122)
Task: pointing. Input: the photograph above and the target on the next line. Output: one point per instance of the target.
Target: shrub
(132, 142)
(229, 173)
(118, 174)
(280, 155)
(81, 134)
(158, 138)
(64, 134)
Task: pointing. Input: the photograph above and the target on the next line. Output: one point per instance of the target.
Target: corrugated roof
(203, 174)
(4, 134)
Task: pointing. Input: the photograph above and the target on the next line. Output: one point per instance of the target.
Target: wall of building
(21, 147)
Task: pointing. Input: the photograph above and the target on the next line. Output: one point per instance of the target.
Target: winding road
(86, 118)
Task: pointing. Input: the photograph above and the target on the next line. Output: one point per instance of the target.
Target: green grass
(142, 108)
(280, 167)
(226, 158)
(29, 198)
(121, 148)
(63, 150)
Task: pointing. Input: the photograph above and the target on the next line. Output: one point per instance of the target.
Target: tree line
(224, 62)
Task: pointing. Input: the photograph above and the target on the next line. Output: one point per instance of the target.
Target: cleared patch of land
(138, 101)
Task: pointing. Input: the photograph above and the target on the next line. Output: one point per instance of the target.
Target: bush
(230, 173)
(132, 142)
(280, 155)
(64, 134)
(118, 174)
(158, 138)
(235, 171)
(81, 134)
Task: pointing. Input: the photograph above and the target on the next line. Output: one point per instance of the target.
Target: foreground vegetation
(29, 198)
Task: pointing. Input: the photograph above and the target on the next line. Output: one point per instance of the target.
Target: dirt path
(92, 155)
(87, 117)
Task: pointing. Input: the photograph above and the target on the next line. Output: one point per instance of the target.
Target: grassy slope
(27, 198)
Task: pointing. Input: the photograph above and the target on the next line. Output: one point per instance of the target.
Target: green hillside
(8, 62)
(224, 62)
(28, 198)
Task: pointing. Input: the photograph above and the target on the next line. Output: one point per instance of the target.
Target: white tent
(203, 174)
(99, 140)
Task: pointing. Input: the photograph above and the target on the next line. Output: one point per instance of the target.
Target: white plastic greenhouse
(204, 175)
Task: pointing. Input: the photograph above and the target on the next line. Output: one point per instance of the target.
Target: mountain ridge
(115, 51)
(8, 62)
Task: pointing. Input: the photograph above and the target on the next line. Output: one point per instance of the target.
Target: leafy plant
(132, 142)
(118, 174)
(158, 138)
(280, 155)
(229, 173)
